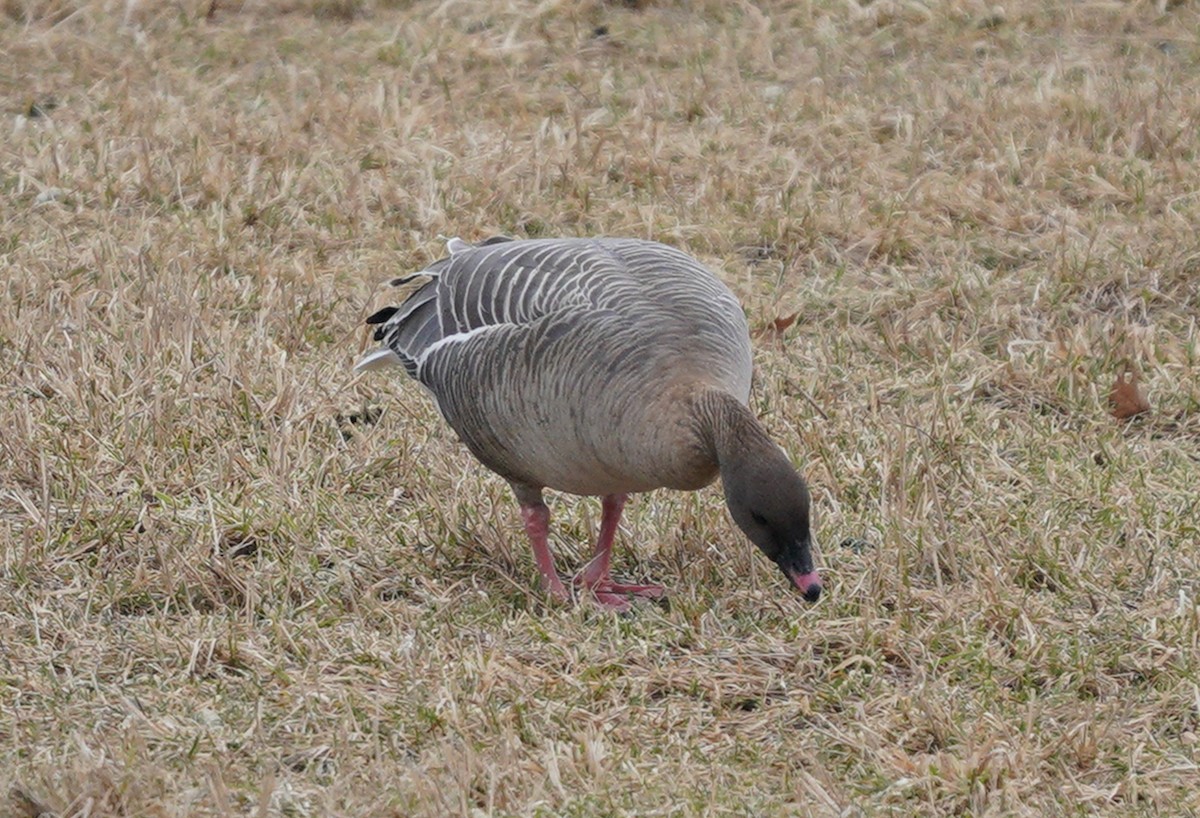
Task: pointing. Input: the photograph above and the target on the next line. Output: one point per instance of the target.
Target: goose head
(769, 501)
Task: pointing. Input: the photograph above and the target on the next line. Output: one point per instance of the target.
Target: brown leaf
(777, 327)
(1126, 398)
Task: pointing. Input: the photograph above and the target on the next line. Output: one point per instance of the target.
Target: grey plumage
(599, 367)
(551, 358)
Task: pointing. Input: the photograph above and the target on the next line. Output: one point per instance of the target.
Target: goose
(597, 367)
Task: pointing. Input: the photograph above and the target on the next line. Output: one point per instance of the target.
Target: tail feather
(392, 319)
(402, 280)
(404, 335)
(378, 359)
(429, 334)
(405, 331)
(382, 316)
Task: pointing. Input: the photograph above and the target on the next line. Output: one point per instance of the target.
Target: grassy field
(237, 579)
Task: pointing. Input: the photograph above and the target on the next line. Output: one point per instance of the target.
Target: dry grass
(230, 585)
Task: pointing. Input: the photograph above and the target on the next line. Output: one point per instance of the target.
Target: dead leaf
(775, 329)
(1126, 398)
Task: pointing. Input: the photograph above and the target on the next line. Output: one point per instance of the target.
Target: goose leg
(595, 575)
(537, 526)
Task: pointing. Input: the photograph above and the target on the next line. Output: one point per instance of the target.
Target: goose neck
(735, 434)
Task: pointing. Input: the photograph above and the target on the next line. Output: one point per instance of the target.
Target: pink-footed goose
(598, 367)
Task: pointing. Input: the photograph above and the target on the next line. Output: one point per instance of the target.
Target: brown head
(769, 501)
(766, 496)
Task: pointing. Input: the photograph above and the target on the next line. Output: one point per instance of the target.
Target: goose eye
(758, 518)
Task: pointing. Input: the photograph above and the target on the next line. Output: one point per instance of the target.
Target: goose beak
(809, 584)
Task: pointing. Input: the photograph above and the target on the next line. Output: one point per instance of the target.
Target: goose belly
(600, 405)
(598, 442)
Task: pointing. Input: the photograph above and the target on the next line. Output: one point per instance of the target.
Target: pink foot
(608, 594)
(611, 602)
(607, 586)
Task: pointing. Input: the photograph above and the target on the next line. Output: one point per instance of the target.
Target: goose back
(573, 363)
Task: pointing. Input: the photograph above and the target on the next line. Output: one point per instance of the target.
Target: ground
(238, 579)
